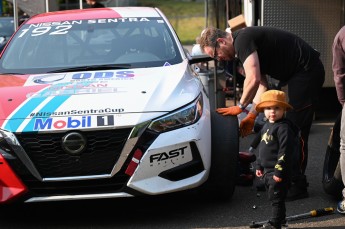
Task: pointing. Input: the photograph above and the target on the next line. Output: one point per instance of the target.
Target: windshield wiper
(11, 73)
(93, 67)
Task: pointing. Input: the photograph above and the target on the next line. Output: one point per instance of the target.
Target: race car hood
(93, 99)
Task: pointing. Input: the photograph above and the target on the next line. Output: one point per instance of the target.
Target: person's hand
(258, 173)
(277, 179)
(247, 124)
(234, 110)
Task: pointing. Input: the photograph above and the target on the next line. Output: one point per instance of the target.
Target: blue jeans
(342, 147)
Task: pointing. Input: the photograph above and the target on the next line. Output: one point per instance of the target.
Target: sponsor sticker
(170, 156)
(75, 122)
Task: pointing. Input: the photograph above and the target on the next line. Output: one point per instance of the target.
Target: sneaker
(341, 207)
(270, 225)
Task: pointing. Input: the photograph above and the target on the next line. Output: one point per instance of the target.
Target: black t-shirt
(281, 53)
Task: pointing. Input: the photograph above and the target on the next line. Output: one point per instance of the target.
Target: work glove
(234, 110)
(247, 124)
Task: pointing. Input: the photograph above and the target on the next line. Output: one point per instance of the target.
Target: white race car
(104, 103)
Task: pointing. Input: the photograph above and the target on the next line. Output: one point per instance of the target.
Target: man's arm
(252, 80)
(262, 88)
(338, 65)
(247, 124)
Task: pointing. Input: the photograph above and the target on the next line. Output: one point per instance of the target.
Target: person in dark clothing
(281, 55)
(275, 160)
(338, 67)
(94, 4)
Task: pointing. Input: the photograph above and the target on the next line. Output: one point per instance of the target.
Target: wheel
(224, 160)
(331, 177)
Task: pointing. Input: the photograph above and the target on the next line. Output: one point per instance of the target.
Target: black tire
(331, 177)
(225, 148)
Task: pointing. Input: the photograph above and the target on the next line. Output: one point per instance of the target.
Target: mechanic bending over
(338, 67)
(281, 55)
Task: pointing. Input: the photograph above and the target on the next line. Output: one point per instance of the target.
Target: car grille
(102, 152)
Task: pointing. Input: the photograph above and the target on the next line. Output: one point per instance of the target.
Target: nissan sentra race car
(104, 103)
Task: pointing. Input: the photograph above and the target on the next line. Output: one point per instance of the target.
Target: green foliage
(6, 10)
(187, 17)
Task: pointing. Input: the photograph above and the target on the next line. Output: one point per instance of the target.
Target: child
(274, 162)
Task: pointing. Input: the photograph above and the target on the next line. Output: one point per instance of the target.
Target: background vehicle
(104, 103)
(6, 30)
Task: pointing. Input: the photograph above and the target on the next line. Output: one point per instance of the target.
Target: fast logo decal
(173, 156)
(73, 122)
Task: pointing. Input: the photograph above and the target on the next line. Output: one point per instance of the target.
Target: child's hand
(259, 173)
(277, 179)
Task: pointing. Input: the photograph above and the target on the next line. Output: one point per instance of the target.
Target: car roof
(95, 13)
(6, 18)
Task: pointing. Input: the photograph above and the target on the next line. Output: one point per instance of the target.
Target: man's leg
(303, 119)
(303, 92)
(341, 204)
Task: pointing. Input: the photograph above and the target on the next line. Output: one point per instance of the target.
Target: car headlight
(180, 118)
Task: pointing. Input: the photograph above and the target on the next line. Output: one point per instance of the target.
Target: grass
(187, 17)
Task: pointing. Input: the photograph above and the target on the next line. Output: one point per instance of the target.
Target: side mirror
(198, 56)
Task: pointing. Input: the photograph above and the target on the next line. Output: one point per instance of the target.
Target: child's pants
(277, 194)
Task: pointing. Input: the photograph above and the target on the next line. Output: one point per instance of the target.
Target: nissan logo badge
(73, 143)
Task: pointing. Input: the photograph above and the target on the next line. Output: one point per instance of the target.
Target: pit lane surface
(185, 210)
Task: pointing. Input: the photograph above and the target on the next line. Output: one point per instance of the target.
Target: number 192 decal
(58, 30)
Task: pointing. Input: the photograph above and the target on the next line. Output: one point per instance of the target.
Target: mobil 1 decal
(74, 122)
(106, 120)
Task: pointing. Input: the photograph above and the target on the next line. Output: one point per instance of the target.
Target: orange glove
(234, 110)
(247, 124)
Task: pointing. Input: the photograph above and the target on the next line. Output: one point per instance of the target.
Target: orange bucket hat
(273, 98)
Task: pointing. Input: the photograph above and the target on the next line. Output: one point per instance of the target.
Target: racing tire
(331, 175)
(224, 158)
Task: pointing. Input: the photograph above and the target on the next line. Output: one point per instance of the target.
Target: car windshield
(6, 27)
(100, 43)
